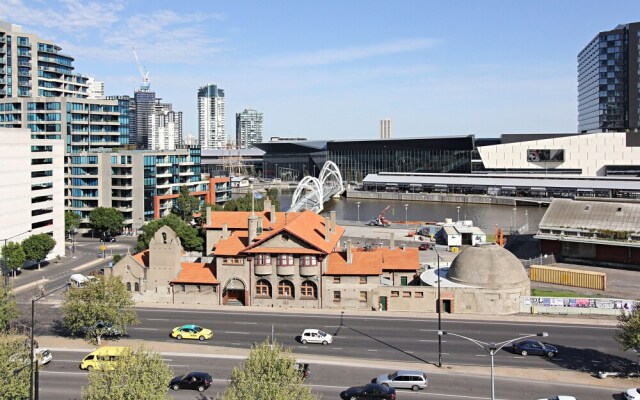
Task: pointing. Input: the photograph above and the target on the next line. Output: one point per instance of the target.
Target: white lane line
(158, 319)
(481, 355)
(246, 323)
(73, 361)
(411, 352)
(177, 365)
(238, 333)
(332, 326)
(63, 372)
(432, 340)
(167, 359)
(372, 350)
(237, 344)
(144, 329)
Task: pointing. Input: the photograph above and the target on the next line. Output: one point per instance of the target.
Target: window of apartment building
(263, 259)
(308, 260)
(285, 289)
(285, 259)
(406, 294)
(363, 280)
(418, 295)
(363, 297)
(395, 293)
(308, 289)
(336, 295)
(263, 288)
(336, 279)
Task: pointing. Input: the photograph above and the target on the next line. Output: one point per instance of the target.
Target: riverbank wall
(432, 197)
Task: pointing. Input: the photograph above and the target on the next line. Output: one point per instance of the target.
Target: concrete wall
(350, 288)
(164, 258)
(196, 294)
(441, 198)
(575, 306)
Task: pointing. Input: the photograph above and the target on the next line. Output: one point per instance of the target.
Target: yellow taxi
(191, 331)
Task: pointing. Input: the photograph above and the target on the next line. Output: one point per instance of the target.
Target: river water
(485, 216)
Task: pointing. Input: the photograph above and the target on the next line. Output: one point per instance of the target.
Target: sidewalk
(55, 343)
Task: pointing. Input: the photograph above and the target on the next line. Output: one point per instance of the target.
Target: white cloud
(334, 56)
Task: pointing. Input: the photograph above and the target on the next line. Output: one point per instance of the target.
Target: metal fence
(542, 259)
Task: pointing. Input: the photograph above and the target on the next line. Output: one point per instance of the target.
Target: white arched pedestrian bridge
(311, 193)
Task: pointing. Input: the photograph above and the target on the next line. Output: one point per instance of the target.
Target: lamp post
(276, 170)
(5, 267)
(33, 394)
(491, 348)
(515, 224)
(358, 204)
(458, 207)
(439, 311)
(406, 212)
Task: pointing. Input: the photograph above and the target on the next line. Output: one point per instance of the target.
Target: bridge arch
(331, 173)
(309, 184)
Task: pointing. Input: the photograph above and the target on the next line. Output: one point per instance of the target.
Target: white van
(79, 280)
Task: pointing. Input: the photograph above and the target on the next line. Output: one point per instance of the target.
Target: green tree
(188, 235)
(71, 221)
(37, 247)
(628, 334)
(14, 365)
(268, 373)
(103, 299)
(185, 205)
(8, 309)
(244, 203)
(13, 256)
(106, 220)
(138, 374)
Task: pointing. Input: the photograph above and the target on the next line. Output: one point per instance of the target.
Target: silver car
(404, 379)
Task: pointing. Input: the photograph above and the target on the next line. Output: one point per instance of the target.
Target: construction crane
(380, 220)
(143, 71)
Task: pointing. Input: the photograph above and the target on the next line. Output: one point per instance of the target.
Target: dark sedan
(199, 381)
(535, 348)
(370, 391)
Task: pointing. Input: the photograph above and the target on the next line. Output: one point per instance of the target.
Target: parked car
(560, 398)
(424, 246)
(632, 394)
(404, 379)
(370, 391)
(109, 238)
(191, 331)
(534, 347)
(104, 326)
(199, 381)
(315, 336)
(43, 356)
(304, 370)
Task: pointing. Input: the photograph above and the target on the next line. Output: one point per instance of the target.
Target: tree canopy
(71, 221)
(13, 255)
(188, 234)
(14, 365)
(138, 374)
(8, 308)
(185, 205)
(106, 220)
(244, 203)
(628, 334)
(268, 373)
(37, 247)
(103, 299)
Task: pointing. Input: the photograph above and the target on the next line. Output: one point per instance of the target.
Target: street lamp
(514, 219)
(34, 394)
(406, 211)
(276, 170)
(439, 312)
(491, 348)
(458, 207)
(5, 267)
(358, 204)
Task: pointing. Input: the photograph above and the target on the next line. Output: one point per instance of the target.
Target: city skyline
(485, 69)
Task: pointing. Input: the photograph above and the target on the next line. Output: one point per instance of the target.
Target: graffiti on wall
(618, 304)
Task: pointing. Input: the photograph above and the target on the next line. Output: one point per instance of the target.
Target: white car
(315, 336)
(632, 394)
(44, 356)
(560, 398)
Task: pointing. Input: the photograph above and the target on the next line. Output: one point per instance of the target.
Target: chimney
(272, 213)
(349, 252)
(267, 204)
(392, 240)
(327, 229)
(208, 216)
(333, 221)
(253, 228)
(225, 231)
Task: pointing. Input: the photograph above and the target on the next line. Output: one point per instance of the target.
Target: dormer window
(263, 259)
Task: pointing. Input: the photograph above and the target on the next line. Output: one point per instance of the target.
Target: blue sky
(333, 69)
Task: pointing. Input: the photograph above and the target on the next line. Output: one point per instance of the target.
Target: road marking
(73, 361)
(63, 372)
(238, 333)
(432, 340)
(336, 348)
(246, 323)
(372, 350)
(177, 365)
(158, 319)
(237, 344)
(144, 329)
(332, 326)
(481, 355)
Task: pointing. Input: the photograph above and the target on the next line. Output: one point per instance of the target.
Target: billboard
(535, 155)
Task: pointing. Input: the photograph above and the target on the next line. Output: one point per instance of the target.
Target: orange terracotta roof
(281, 250)
(231, 246)
(239, 220)
(373, 262)
(142, 258)
(194, 273)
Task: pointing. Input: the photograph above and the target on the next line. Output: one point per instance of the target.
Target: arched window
(285, 289)
(129, 286)
(308, 289)
(263, 288)
(136, 287)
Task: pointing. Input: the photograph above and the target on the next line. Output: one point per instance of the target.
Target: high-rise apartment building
(211, 117)
(248, 128)
(95, 89)
(31, 66)
(142, 106)
(32, 187)
(385, 128)
(609, 81)
(166, 128)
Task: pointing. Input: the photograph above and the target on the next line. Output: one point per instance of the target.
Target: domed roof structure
(488, 266)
